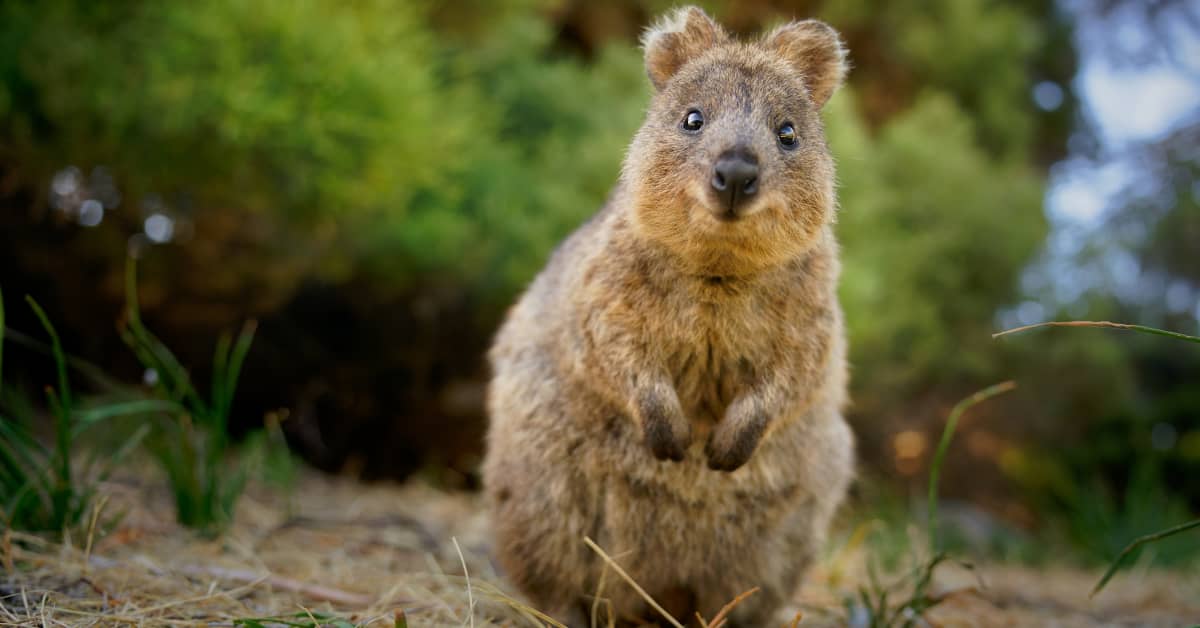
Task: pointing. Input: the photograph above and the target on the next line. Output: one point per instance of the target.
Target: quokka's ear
(816, 51)
(676, 38)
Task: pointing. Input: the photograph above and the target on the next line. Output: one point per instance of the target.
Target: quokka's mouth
(726, 215)
(723, 214)
(736, 214)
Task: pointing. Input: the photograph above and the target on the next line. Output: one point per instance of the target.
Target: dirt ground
(363, 553)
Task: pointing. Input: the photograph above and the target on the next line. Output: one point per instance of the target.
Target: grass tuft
(191, 440)
(44, 487)
(43, 491)
(874, 606)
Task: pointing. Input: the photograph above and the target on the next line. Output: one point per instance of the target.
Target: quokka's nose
(735, 179)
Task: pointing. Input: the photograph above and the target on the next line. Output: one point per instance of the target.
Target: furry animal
(671, 384)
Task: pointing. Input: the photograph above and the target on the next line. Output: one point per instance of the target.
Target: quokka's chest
(710, 366)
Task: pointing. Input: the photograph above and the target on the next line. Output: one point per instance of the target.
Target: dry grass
(363, 553)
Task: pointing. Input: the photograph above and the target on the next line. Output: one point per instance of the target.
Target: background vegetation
(374, 182)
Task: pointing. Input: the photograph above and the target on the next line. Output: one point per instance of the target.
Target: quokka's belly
(704, 537)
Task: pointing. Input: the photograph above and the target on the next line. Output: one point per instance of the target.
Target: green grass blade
(24, 474)
(16, 461)
(27, 515)
(220, 368)
(935, 470)
(147, 358)
(133, 308)
(60, 460)
(83, 367)
(1, 339)
(234, 368)
(1141, 328)
(60, 403)
(926, 575)
(151, 351)
(173, 377)
(19, 435)
(60, 358)
(122, 452)
(1138, 542)
(86, 418)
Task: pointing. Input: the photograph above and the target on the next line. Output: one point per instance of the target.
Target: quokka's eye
(693, 121)
(787, 135)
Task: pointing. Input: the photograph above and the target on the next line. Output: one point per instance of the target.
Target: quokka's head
(730, 170)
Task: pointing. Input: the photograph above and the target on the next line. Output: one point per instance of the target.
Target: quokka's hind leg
(541, 511)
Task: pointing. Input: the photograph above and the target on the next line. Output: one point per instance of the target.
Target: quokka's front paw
(733, 441)
(667, 432)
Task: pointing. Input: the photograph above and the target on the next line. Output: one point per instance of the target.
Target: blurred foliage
(345, 129)
(1127, 462)
(375, 182)
(974, 229)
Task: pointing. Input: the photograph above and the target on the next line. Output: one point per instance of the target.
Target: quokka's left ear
(816, 51)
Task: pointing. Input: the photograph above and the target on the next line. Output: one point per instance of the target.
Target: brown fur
(671, 384)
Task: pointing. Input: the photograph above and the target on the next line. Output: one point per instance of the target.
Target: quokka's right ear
(676, 38)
